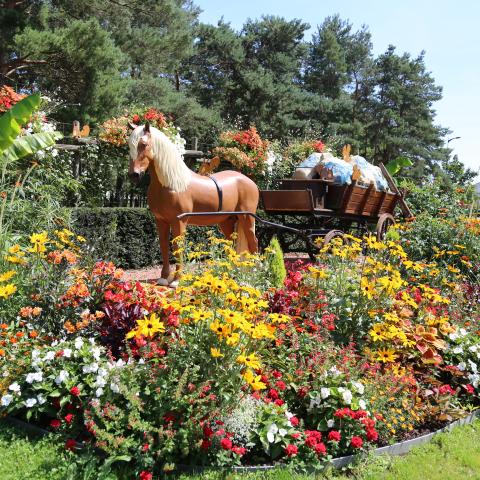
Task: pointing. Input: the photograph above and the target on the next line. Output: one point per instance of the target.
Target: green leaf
(11, 122)
(394, 166)
(28, 145)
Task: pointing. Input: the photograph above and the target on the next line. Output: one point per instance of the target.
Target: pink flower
(281, 385)
(144, 475)
(291, 450)
(239, 450)
(69, 417)
(469, 388)
(294, 421)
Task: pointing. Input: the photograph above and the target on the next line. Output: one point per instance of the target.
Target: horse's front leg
(163, 229)
(178, 230)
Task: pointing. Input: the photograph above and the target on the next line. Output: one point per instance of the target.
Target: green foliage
(125, 236)
(276, 264)
(394, 166)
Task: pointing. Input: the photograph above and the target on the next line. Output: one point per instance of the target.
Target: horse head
(141, 158)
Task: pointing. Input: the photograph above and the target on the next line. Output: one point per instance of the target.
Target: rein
(220, 193)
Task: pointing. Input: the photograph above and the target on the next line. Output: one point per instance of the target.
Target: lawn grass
(450, 456)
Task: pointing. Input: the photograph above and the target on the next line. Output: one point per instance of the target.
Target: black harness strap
(220, 193)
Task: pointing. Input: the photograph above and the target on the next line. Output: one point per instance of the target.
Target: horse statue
(175, 189)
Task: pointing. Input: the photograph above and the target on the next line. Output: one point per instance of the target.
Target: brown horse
(175, 189)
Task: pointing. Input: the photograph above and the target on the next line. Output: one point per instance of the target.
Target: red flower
(70, 444)
(75, 391)
(273, 394)
(55, 423)
(310, 442)
(469, 388)
(144, 475)
(276, 374)
(320, 449)
(69, 417)
(356, 442)
(295, 435)
(372, 435)
(206, 444)
(294, 421)
(226, 443)
(281, 385)
(136, 119)
(444, 389)
(334, 436)
(279, 402)
(239, 451)
(145, 447)
(291, 450)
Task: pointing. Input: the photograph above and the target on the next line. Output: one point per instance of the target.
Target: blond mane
(168, 162)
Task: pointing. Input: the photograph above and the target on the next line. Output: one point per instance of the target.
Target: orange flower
(36, 311)
(19, 334)
(13, 340)
(26, 311)
(4, 326)
(2, 352)
(33, 334)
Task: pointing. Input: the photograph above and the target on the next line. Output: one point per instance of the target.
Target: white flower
(335, 371)
(362, 404)
(102, 372)
(282, 432)
(96, 352)
(473, 348)
(114, 387)
(324, 392)
(314, 402)
(347, 397)
(458, 350)
(358, 387)
(62, 376)
(453, 336)
(473, 366)
(30, 402)
(462, 366)
(463, 332)
(92, 368)
(120, 363)
(330, 423)
(35, 354)
(67, 352)
(34, 377)
(474, 379)
(100, 381)
(99, 392)
(6, 400)
(49, 356)
(78, 343)
(41, 399)
(14, 387)
(272, 430)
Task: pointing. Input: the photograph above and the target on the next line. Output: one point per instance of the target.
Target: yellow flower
(255, 381)
(390, 283)
(149, 326)
(386, 355)
(232, 339)
(376, 335)
(5, 277)
(198, 315)
(368, 288)
(216, 353)
(249, 360)
(39, 238)
(7, 290)
(317, 273)
(14, 249)
(279, 318)
(221, 329)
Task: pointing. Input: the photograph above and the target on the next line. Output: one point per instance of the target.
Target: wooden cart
(318, 208)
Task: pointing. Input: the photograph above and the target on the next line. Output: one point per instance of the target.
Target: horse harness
(219, 191)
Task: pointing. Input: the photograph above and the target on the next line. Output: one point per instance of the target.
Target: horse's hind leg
(246, 225)
(228, 227)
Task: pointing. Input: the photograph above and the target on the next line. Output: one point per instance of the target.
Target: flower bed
(353, 352)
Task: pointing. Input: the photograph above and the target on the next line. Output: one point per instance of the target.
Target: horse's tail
(242, 245)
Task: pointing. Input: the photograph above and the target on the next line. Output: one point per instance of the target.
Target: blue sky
(446, 29)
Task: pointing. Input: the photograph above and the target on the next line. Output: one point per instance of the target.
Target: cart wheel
(385, 221)
(333, 234)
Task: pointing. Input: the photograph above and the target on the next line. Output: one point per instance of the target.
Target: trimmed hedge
(125, 236)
